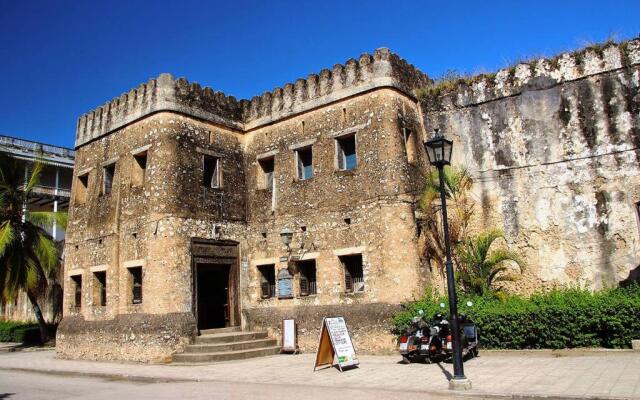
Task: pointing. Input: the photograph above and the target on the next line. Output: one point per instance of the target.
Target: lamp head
(286, 235)
(439, 149)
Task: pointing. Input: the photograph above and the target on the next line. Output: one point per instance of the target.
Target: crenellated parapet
(538, 74)
(382, 69)
(161, 94)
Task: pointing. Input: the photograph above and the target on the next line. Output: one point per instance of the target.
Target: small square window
(267, 280)
(353, 274)
(82, 187)
(304, 161)
(267, 166)
(307, 277)
(139, 170)
(212, 176)
(77, 290)
(108, 173)
(346, 153)
(100, 288)
(136, 284)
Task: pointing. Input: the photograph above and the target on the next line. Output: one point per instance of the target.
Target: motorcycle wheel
(405, 360)
(475, 351)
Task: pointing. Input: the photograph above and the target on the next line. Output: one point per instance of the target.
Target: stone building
(181, 193)
(51, 194)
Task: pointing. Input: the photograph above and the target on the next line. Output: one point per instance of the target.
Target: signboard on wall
(335, 341)
(285, 284)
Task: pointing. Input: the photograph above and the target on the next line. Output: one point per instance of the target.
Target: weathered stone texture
(554, 154)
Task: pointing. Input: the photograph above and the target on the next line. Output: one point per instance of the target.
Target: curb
(437, 393)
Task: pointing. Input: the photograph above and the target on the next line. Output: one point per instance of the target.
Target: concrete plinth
(460, 384)
(635, 345)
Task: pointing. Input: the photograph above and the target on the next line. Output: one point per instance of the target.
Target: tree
(480, 266)
(458, 183)
(28, 253)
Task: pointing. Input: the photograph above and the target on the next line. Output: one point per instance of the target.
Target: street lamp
(286, 235)
(439, 152)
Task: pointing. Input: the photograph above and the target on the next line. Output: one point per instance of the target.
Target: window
(100, 288)
(211, 177)
(353, 275)
(267, 280)
(139, 170)
(136, 284)
(77, 290)
(82, 187)
(304, 161)
(409, 144)
(346, 153)
(108, 172)
(267, 166)
(307, 277)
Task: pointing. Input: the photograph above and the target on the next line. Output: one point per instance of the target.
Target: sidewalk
(544, 374)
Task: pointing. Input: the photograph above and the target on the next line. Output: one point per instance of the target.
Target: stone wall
(553, 148)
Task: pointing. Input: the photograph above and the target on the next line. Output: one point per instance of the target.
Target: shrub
(11, 331)
(556, 319)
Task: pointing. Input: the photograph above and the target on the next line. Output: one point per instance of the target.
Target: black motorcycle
(436, 343)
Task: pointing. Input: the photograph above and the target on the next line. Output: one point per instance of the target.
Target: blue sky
(59, 59)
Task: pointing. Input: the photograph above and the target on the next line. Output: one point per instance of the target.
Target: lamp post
(439, 151)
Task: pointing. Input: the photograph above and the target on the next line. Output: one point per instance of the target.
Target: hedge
(561, 318)
(19, 332)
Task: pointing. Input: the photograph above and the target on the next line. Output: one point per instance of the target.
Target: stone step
(230, 337)
(220, 330)
(231, 346)
(194, 358)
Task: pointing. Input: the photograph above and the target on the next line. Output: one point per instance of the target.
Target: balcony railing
(37, 147)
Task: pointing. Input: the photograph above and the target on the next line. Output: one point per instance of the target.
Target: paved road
(36, 386)
(564, 374)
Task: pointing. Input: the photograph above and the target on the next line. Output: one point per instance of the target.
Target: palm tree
(28, 253)
(458, 183)
(480, 266)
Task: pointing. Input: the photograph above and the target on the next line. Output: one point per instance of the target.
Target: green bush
(11, 331)
(557, 319)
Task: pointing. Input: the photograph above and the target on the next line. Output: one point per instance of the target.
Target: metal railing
(37, 146)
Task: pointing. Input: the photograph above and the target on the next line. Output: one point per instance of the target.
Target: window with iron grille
(77, 290)
(211, 177)
(108, 173)
(100, 288)
(267, 280)
(346, 158)
(353, 274)
(307, 277)
(304, 158)
(136, 284)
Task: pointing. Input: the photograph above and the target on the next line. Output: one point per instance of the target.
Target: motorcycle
(437, 346)
(411, 343)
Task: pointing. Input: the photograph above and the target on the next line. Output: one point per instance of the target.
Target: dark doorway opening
(213, 295)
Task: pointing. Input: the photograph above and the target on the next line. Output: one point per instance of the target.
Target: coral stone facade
(181, 194)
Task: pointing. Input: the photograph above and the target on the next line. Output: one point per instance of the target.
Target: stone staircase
(225, 344)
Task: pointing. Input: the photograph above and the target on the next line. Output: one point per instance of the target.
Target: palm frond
(46, 219)
(7, 237)
(34, 177)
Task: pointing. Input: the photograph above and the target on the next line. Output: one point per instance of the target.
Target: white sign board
(289, 335)
(335, 341)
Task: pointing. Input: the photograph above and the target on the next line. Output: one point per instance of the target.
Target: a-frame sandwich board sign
(335, 342)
